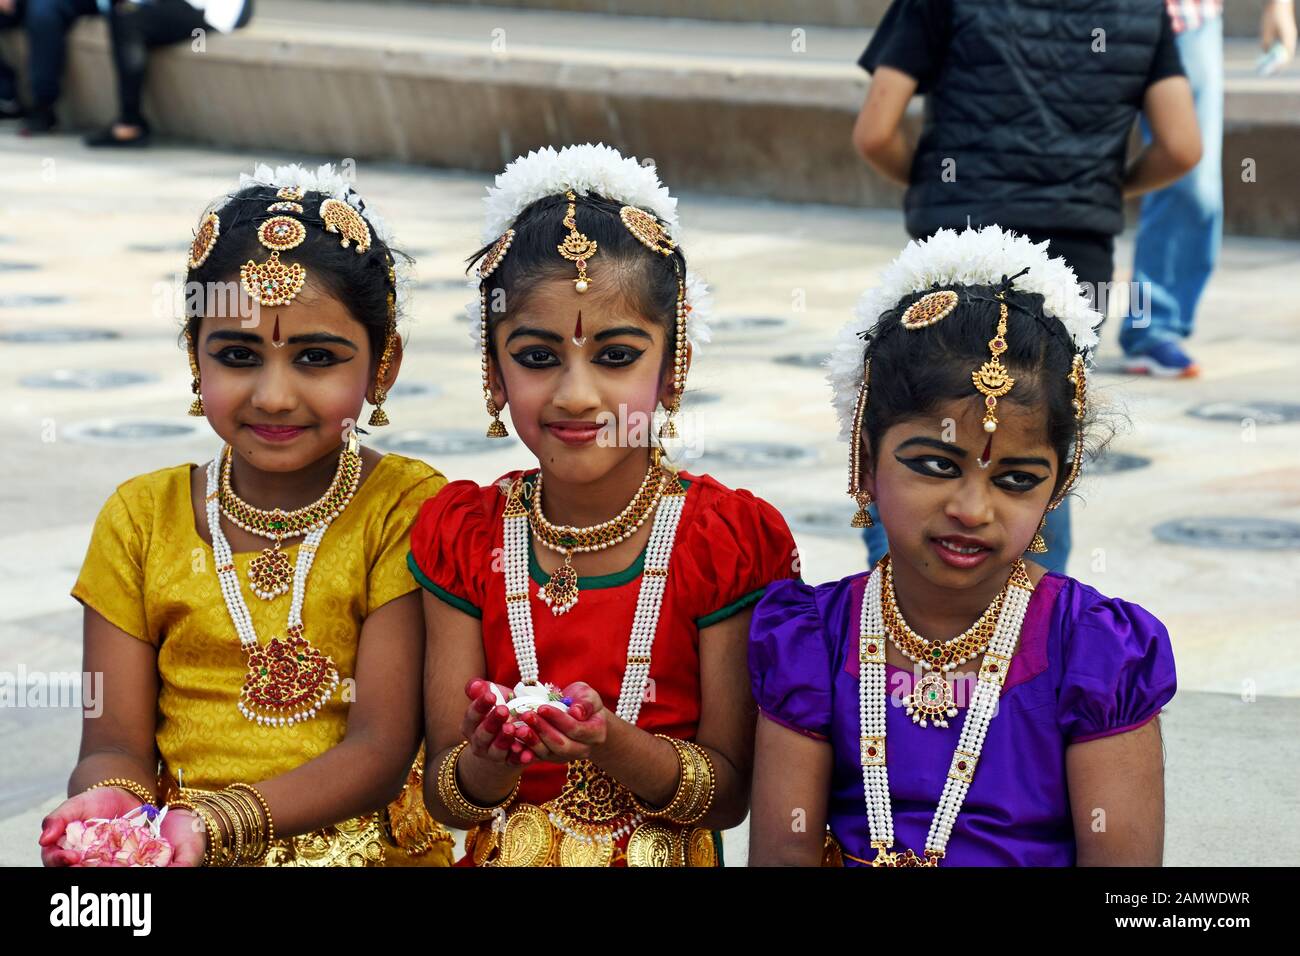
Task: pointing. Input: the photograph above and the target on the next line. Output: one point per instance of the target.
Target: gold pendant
(700, 848)
(653, 844)
(270, 573)
(287, 681)
(931, 701)
(591, 796)
(527, 839)
(908, 858)
(561, 591)
(593, 852)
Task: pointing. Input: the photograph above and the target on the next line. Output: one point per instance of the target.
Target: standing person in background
(1181, 225)
(1028, 110)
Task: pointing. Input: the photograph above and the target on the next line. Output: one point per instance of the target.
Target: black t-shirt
(913, 38)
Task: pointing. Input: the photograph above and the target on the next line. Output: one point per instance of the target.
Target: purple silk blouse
(1087, 666)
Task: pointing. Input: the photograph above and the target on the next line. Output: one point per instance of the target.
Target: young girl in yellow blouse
(258, 632)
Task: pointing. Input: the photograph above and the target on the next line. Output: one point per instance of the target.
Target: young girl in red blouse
(594, 608)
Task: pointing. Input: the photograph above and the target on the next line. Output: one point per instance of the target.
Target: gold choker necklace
(271, 573)
(561, 591)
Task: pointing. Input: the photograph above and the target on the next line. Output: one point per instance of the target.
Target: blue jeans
(48, 23)
(1056, 534)
(1181, 226)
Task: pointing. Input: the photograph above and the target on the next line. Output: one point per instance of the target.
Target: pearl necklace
(561, 591)
(873, 698)
(654, 581)
(288, 680)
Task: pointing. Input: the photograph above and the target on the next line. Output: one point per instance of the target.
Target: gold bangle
(266, 809)
(256, 845)
(707, 787)
(230, 826)
(683, 784)
(216, 843)
(223, 805)
(137, 790)
(454, 799)
(696, 786)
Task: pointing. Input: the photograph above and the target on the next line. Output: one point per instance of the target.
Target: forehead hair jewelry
(281, 233)
(647, 230)
(929, 309)
(291, 193)
(577, 247)
(205, 240)
(272, 282)
(344, 220)
(992, 379)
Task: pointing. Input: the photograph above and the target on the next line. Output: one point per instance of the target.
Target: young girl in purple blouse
(957, 704)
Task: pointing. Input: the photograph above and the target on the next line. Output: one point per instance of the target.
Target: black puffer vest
(1027, 123)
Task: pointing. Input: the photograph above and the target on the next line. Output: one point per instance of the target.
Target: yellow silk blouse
(149, 573)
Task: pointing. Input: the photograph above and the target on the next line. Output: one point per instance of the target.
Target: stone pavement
(93, 390)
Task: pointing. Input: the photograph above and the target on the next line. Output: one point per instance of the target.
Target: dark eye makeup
(937, 466)
(613, 356)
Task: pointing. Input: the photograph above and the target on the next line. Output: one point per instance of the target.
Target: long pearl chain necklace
(873, 698)
(931, 701)
(561, 591)
(288, 680)
(270, 574)
(571, 812)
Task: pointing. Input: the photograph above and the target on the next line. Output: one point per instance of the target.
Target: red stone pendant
(561, 592)
(288, 681)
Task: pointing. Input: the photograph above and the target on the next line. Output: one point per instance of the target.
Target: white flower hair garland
(970, 257)
(587, 169)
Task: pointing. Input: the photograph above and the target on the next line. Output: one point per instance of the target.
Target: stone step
(1241, 17)
(741, 108)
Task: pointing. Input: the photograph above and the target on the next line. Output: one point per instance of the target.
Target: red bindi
(578, 338)
(988, 449)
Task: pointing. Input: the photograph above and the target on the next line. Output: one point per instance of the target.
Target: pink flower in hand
(121, 842)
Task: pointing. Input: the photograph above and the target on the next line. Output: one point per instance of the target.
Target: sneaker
(1165, 360)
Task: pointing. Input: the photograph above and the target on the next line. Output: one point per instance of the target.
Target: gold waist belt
(528, 837)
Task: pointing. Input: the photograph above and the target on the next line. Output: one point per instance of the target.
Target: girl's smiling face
(953, 523)
(284, 391)
(581, 376)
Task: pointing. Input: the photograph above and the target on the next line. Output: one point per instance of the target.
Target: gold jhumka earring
(489, 264)
(862, 519)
